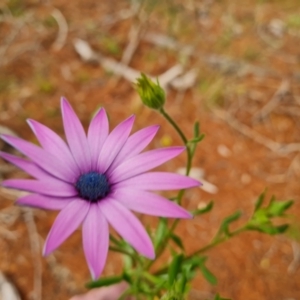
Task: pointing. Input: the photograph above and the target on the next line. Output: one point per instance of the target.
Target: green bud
(151, 93)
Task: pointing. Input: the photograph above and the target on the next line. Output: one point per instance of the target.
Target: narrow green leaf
(277, 208)
(160, 232)
(224, 228)
(204, 210)
(218, 297)
(196, 129)
(282, 228)
(268, 228)
(128, 262)
(197, 139)
(260, 201)
(174, 269)
(182, 284)
(106, 281)
(177, 240)
(208, 275)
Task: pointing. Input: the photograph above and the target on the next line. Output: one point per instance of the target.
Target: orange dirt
(34, 75)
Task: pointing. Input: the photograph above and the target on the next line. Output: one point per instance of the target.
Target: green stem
(217, 241)
(212, 244)
(185, 141)
(173, 123)
(111, 248)
(114, 240)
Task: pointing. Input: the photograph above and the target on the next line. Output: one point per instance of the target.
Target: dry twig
(121, 15)
(89, 55)
(271, 105)
(33, 238)
(8, 234)
(293, 266)
(62, 30)
(35, 251)
(281, 149)
(19, 25)
(62, 274)
(223, 63)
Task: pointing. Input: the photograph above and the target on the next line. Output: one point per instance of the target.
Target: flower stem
(185, 141)
(173, 123)
(181, 192)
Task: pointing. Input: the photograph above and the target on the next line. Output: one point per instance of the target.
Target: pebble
(7, 290)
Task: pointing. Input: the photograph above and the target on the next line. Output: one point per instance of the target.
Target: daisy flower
(96, 179)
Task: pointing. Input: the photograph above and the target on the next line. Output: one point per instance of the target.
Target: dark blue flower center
(92, 186)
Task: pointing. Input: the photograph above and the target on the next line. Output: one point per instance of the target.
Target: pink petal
(128, 226)
(26, 165)
(67, 221)
(76, 137)
(143, 163)
(150, 204)
(114, 143)
(158, 181)
(97, 134)
(95, 235)
(53, 143)
(135, 144)
(51, 187)
(42, 158)
(44, 202)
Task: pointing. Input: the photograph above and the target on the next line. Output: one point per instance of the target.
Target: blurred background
(232, 65)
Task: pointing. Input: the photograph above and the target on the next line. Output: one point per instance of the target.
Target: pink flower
(96, 180)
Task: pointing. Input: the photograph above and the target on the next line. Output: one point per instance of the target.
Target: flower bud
(151, 93)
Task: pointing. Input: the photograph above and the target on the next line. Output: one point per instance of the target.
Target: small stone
(7, 290)
(224, 150)
(246, 178)
(277, 27)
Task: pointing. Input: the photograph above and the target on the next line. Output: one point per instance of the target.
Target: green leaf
(160, 232)
(260, 201)
(218, 297)
(260, 217)
(277, 208)
(106, 281)
(128, 262)
(209, 276)
(224, 228)
(174, 269)
(196, 129)
(199, 263)
(177, 240)
(197, 139)
(268, 228)
(282, 228)
(182, 284)
(188, 269)
(204, 210)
